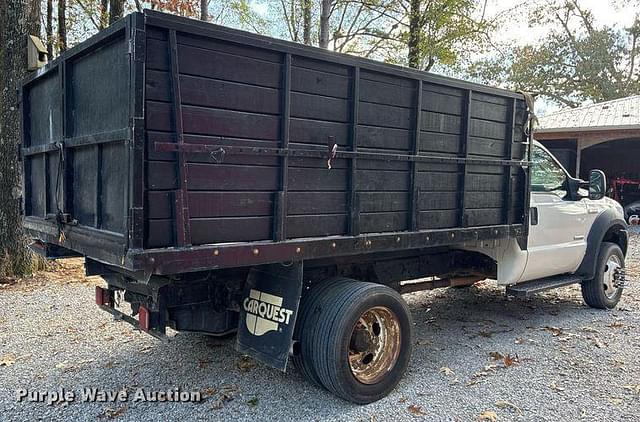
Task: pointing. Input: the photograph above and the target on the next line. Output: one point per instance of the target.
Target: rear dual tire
(354, 339)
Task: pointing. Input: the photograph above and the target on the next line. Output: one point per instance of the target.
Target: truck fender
(607, 227)
(268, 312)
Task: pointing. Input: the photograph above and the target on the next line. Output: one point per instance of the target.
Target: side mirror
(597, 184)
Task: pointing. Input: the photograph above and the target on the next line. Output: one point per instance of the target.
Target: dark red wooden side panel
(236, 95)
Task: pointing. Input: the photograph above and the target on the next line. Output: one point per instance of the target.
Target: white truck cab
(576, 235)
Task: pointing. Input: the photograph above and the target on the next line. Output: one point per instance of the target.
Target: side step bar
(529, 288)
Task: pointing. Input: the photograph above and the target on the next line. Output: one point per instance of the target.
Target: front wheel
(605, 289)
(359, 342)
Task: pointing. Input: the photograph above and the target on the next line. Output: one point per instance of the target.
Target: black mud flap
(268, 313)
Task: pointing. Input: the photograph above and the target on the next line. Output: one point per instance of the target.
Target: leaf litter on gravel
(504, 361)
(416, 410)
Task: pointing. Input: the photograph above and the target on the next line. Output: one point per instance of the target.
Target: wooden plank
(442, 103)
(383, 201)
(214, 177)
(317, 82)
(306, 179)
(378, 180)
(316, 107)
(484, 217)
(304, 203)
(439, 122)
(208, 45)
(438, 182)
(229, 95)
(384, 116)
(439, 219)
(382, 137)
(182, 221)
(228, 67)
(235, 229)
(439, 142)
(487, 111)
(488, 129)
(316, 225)
(317, 132)
(383, 222)
(205, 204)
(385, 94)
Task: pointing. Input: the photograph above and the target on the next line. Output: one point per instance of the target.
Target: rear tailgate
(76, 130)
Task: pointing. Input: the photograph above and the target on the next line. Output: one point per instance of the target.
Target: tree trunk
(306, 21)
(204, 10)
(17, 19)
(116, 9)
(104, 13)
(325, 13)
(415, 34)
(50, 28)
(62, 25)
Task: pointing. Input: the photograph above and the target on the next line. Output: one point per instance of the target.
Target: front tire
(358, 341)
(604, 290)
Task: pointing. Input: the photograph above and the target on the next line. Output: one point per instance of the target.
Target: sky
(616, 13)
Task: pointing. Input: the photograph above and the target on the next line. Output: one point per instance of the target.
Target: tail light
(102, 296)
(143, 318)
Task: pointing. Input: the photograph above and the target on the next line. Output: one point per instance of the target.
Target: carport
(605, 136)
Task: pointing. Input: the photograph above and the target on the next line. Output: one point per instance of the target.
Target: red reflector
(143, 318)
(102, 296)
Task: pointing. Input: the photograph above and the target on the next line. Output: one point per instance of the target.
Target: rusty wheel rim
(375, 345)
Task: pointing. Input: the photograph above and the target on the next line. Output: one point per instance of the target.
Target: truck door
(558, 225)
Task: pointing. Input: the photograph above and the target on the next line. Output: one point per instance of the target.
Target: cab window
(546, 174)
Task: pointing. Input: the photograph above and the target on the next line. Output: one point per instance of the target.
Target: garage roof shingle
(623, 113)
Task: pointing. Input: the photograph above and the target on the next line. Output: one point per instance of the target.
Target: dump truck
(225, 182)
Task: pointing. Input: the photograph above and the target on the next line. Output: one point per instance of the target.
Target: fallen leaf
(510, 360)
(402, 400)
(416, 410)
(633, 388)
(446, 370)
(556, 387)
(488, 416)
(589, 329)
(616, 401)
(227, 394)
(245, 363)
(112, 413)
(597, 342)
(253, 401)
(503, 404)
(203, 364)
(616, 324)
(553, 330)
(207, 392)
(7, 360)
(496, 355)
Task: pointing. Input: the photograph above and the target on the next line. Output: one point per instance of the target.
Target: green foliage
(576, 62)
(440, 31)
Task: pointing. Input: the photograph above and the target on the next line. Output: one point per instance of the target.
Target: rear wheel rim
(374, 346)
(608, 276)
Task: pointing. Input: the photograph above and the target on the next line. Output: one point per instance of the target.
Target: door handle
(578, 237)
(592, 210)
(533, 216)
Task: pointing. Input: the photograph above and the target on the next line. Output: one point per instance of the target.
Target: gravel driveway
(478, 355)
